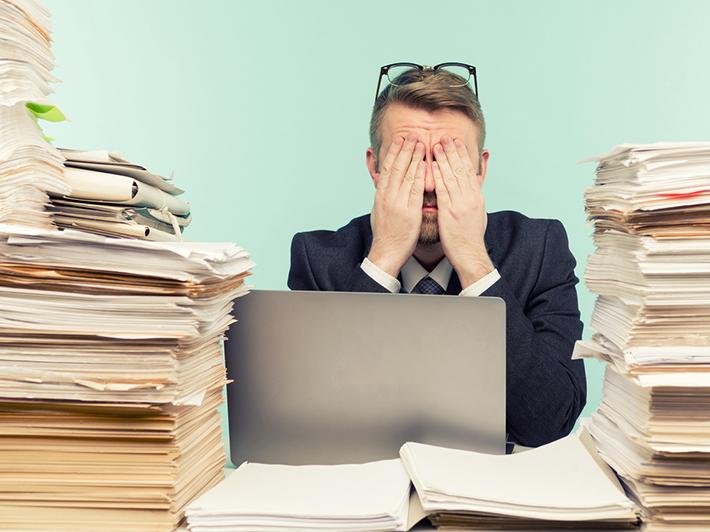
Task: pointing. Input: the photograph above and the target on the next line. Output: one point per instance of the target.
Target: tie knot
(428, 286)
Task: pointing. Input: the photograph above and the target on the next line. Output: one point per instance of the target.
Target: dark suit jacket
(546, 390)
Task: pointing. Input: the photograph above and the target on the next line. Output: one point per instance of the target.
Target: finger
(471, 169)
(445, 168)
(442, 192)
(410, 175)
(458, 167)
(416, 193)
(465, 156)
(401, 164)
(388, 161)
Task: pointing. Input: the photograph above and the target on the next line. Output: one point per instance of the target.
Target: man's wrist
(468, 277)
(480, 286)
(384, 263)
(385, 280)
(474, 268)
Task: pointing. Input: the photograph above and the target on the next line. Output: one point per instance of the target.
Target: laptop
(340, 377)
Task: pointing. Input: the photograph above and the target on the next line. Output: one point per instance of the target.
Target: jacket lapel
(367, 235)
(454, 285)
(490, 247)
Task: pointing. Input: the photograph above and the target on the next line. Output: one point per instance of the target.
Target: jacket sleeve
(300, 276)
(305, 274)
(546, 389)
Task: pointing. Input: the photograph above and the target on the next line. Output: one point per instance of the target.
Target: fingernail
(458, 143)
(437, 147)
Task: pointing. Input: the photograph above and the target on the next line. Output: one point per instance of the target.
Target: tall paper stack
(111, 370)
(111, 376)
(650, 206)
(30, 168)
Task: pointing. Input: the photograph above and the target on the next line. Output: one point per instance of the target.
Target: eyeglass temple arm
(383, 71)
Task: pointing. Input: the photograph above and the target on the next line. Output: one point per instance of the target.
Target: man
(428, 232)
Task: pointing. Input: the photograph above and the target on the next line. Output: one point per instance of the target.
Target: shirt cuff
(480, 286)
(384, 279)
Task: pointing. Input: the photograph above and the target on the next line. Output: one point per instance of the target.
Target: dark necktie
(428, 286)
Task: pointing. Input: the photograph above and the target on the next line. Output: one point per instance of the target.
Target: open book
(560, 485)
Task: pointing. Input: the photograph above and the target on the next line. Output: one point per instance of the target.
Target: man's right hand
(397, 214)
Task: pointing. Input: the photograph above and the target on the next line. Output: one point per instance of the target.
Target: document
(261, 497)
(103, 161)
(113, 197)
(111, 377)
(111, 368)
(560, 484)
(650, 206)
(27, 59)
(564, 484)
(89, 318)
(106, 466)
(30, 168)
(118, 189)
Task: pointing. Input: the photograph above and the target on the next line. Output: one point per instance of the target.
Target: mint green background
(261, 108)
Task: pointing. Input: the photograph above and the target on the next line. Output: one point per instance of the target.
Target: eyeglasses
(461, 70)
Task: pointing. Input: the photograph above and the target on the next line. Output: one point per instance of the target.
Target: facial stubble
(429, 233)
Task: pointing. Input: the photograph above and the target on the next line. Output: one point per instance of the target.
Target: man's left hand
(461, 211)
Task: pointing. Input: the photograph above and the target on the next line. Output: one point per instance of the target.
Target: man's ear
(370, 161)
(485, 154)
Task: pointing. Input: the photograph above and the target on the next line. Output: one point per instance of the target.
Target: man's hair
(430, 90)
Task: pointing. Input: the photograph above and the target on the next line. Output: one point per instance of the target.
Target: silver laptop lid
(338, 377)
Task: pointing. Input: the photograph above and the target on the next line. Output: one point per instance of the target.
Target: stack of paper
(111, 374)
(559, 485)
(650, 206)
(113, 197)
(26, 59)
(88, 318)
(258, 497)
(105, 466)
(30, 168)
(658, 189)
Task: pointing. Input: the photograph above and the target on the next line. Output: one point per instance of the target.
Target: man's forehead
(401, 119)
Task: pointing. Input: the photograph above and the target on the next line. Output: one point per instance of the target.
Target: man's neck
(429, 255)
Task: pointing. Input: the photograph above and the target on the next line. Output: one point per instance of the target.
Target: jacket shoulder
(338, 250)
(511, 227)
(525, 240)
(326, 260)
(356, 233)
(516, 222)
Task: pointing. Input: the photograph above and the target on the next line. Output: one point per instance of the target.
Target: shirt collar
(413, 272)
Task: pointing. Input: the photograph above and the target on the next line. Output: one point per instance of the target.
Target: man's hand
(462, 214)
(397, 213)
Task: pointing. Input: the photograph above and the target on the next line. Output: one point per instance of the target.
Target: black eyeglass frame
(471, 70)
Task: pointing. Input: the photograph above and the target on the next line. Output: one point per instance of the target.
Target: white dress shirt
(413, 272)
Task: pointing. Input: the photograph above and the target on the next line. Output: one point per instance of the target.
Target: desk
(426, 527)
